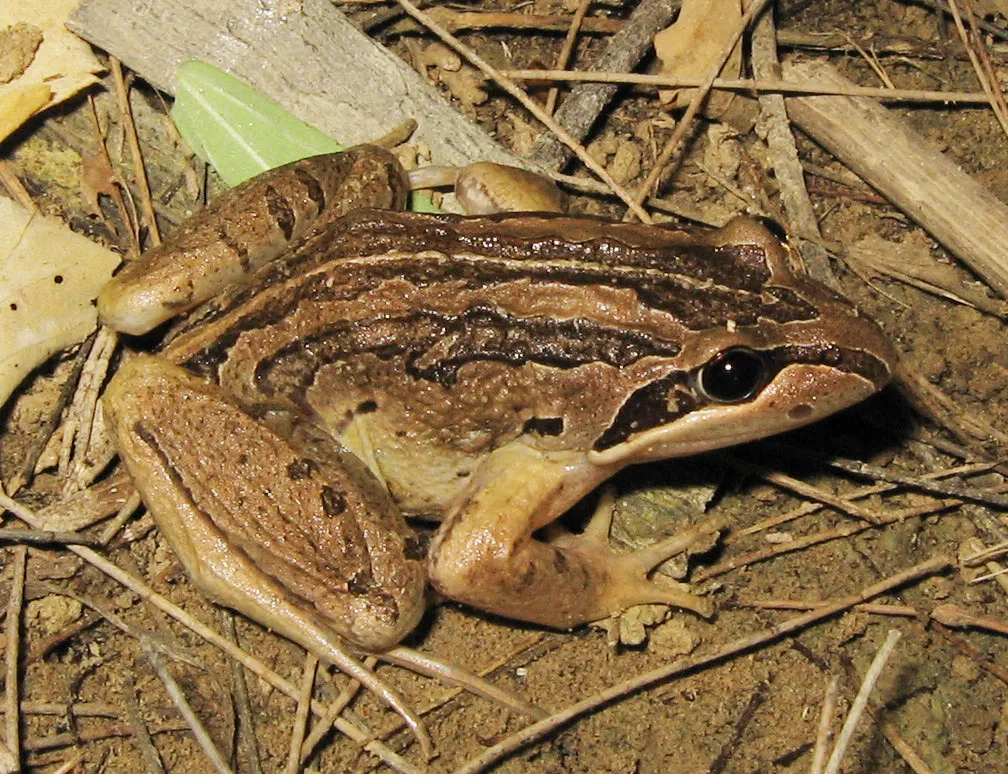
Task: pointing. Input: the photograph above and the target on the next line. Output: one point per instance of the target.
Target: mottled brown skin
(491, 371)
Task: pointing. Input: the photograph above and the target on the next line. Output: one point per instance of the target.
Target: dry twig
(949, 489)
(861, 701)
(582, 107)
(799, 544)
(792, 484)
(141, 734)
(788, 171)
(807, 509)
(956, 617)
(177, 695)
(45, 537)
(140, 588)
(239, 691)
(565, 53)
(824, 734)
(12, 679)
(981, 65)
(52, 420)
(685, 124)
(139, 170)
(301, 714)
(902, 611)
(762, 85)
(324, 724)
(529, 104)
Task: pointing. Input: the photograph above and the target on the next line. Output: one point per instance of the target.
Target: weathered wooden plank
(966, 218)
(304, 54)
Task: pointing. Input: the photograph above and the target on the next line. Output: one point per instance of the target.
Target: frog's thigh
(486, 556)
(296, 540)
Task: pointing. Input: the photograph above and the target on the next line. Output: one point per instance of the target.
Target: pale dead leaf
(723, 152)
(18, 105)
(49, 278)
(910, 260)
(987, 8)
(693, 44)
(18, 45)
(626, 162)
(62, 62)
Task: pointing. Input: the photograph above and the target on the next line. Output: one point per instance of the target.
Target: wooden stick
(141, 734)
(861, 701)
(137, 586)
(301, 714)
(583, 105)
(133, 141)
(824, 732)
(565, 53)
(968, 220)
(803, 224)
(763, 85)
(669, 154)
(12, 680)
(321, 68)
(177, 695)
(529, 104)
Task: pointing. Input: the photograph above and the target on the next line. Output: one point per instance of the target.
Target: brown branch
(585, 103)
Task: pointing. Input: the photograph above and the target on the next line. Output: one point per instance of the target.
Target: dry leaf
(60, 66)
(988, 8)
(693, 45)
(49, 278)
(18, 45)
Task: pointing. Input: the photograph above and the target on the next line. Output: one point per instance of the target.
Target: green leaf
(421, 202)
(236, 129)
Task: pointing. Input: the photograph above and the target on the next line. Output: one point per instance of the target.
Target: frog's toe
(627, 574)
(629, 587)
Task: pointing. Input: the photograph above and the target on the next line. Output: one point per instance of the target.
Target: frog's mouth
(799, 395)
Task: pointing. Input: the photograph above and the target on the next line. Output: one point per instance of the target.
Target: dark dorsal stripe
(541, 237)
(434, 347)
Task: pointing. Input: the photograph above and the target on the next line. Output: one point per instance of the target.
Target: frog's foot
(629, 583)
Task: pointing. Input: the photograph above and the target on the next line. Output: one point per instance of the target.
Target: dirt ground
(942, 696)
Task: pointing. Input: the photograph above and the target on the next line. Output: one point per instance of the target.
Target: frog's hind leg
(301, 540)
(488, 554)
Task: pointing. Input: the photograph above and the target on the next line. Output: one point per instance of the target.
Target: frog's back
(426, 342)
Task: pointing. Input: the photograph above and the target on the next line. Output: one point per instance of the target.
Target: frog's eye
(732, 376)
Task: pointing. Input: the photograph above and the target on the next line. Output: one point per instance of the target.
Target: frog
(345, 364)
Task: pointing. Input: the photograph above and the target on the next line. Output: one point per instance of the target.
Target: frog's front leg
(485, 553)
(243, 229)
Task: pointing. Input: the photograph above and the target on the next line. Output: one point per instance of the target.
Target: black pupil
(732, 376)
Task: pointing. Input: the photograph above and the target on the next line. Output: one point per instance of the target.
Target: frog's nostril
(800, 412)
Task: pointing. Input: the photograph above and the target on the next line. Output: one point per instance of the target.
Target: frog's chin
(807, 394)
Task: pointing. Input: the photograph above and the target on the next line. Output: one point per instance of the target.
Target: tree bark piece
(802, 222)
(304, 55)
(966, 218)
(586, 101)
